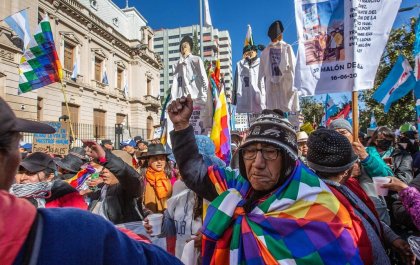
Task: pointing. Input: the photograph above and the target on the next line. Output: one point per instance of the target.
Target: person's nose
(259, 161)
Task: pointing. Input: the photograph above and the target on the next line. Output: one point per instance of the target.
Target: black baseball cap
(10, 123)
(37, 162)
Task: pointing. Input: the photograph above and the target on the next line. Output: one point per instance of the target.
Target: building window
(99, 123)
(68, 56)
(98, 69)
(173, 37)
(74, 115)
(120, 118)
(149, 127)
(40, 109)
(173, 44)
(119, 77)
(159, 39)
(159, 46)
(149, 86)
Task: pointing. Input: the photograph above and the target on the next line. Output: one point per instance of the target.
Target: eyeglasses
(268, 153)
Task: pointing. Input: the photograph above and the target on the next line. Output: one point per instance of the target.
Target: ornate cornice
(93, 24)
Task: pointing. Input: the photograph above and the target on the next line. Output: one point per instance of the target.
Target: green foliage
(196, 47)
(311, 110)
(400, 42)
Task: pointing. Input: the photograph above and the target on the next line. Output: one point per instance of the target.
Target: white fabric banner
(341, 43)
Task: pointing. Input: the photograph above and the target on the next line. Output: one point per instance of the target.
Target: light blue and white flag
(75, 71)
(125, 84)
(373, 124)
(19, 23)
(330, 109)
(104, 76)
(399, 82)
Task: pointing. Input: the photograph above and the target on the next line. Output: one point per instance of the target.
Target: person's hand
(180, 111)
(95, 182)
(360, 150)
(356, 171)
(404, 250)
(197, 240)
(95, 151)
(147, 226)
(395, 185)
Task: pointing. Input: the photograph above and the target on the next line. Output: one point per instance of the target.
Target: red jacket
(359, 232)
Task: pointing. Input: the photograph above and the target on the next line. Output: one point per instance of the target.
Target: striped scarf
(299, 223)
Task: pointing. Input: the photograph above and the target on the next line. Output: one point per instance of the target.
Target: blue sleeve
(73, 236)
(374, 165)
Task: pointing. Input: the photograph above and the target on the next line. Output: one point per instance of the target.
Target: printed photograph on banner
(197, 122)
(323, 31)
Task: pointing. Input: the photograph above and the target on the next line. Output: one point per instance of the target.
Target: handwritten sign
(56, 143)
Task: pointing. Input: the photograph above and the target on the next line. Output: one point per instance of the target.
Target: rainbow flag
(40, 65)
(301, 222)
(220, 132)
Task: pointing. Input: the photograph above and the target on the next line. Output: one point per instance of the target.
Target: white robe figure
(249, 94)
(190, 78)
(277, 69)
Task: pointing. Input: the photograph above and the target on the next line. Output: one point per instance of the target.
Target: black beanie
(275, 29)
(186, 39)
(329, 152)
(271, 127)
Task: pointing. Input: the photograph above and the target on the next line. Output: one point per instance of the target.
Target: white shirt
(249, 94)
(278, 69)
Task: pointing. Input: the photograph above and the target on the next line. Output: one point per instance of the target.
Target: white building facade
(166, 45)
(96, 38)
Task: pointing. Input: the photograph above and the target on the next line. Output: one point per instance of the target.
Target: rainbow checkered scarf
(300, 223)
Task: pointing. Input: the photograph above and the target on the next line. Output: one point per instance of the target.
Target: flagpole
(201, 31)
(355, 108)
(68, 110)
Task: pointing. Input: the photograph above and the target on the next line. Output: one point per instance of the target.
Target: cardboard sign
(56, 143)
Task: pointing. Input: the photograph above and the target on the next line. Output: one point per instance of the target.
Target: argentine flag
(75, 71)
(373, 124)
(399, 82)
(125, 84)
(104, 76)
(19, 23)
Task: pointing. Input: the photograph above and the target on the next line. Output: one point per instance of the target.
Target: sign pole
(355, 108)
(68, 111)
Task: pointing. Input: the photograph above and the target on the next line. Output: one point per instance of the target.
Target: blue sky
(234, 16)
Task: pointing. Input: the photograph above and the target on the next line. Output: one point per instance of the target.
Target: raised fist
(180, 111)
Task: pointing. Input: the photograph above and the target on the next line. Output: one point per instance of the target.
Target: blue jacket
(71, 236)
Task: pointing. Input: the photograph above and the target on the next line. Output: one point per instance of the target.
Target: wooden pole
(355, 108)
(68, 110)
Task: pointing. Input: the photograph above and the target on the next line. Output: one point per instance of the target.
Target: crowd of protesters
(286, 196)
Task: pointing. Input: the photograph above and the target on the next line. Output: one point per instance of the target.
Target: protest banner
(56, 143)
(197, 120)
(341, 43)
